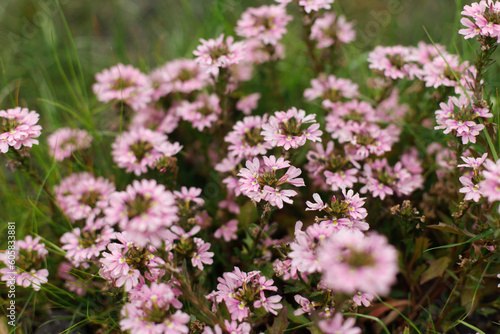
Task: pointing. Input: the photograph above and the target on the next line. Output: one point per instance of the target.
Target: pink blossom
(331, 89)
(336, 325)
(145, 210)
(137, 150)
(201, 256)
(315, 5)
(285, 129)
(362, 298)
(490, 186)
(242, 291)
(262, 183)
(83, 195)
(123, 83)
(331, 29)
(227, 231)
(306, 305)
(268, 23)
(248, 103)
(65, 141)
(18, 128)
(202, 113)
(246, 140)
(219, 53)
(394, 62)
(352, 262)
(178, 76)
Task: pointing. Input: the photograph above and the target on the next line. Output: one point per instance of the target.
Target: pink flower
(341, 180)
(306, 305)
(248, 103)
(303, 254)
(241, 291)
(474, 163)
(246, 140)
(351, 262)
(65, 141)
(262, 183)
(227, 231)
(18, 128)
(394, 62)
(178, 76)
(256, 52)
(336, 325)
(470, 189)
(137, 150)
(82, 195)
(202, 113)
(33, 245)
(286, 129)
(330, 29)
(485, 16)
(315, 5)
(123, 83)
(269, 304)
(219, 53)
(155, 118)
(149, 311)
(25, 269)
(145, 210)
(86, 244)
(201, 256)
(190, 195)
(318, 206)
(490, 186)
(439, 72)
(330, 88)
(267, 23)
(362, 299)
(461, 122)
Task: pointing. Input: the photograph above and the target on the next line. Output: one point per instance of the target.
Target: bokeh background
(147, 33)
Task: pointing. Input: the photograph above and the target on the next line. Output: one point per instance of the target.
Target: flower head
(18, 128)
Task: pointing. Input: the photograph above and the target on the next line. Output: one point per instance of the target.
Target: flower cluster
(145, 211)
(246, 139)
(288, 129)
(154, 309)
(65, 141)
(486, 16)
(24, 268)
(459, 116)
(81, 195)
(123, 83)
(262, 183)
(219, 53)
(490, 186)
(243, 292)
(352, 262)
(331, 89)
(381, 180)
(267, 23)
(128, 265)
(332, 30)
(18, 128)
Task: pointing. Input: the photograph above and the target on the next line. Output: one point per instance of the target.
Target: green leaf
(294, 288)
(451, 229)
(480, 236)
(436, 269)
(248, 214)
(280, 323)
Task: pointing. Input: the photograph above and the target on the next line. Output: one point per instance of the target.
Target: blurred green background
(147, 33)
